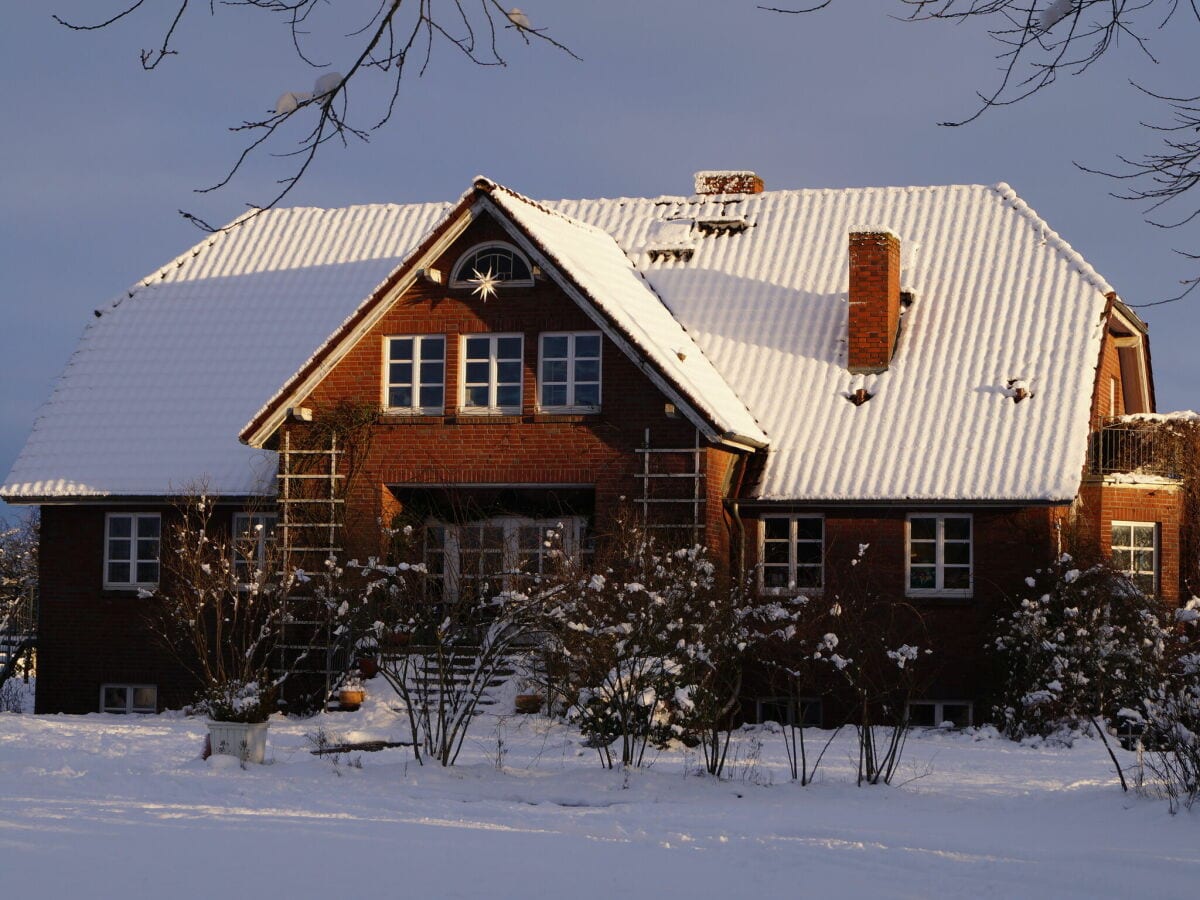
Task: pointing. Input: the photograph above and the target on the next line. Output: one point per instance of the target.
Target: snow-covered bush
(220, 610)
(451, 644)
(875, 652)
(649, 644)
(1079, 646)
(240, 701)
(1172, 712)
(18, 573)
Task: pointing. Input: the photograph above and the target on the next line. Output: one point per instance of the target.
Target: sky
(99, 156)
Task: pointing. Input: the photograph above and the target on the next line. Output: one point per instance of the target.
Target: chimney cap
(875, 229)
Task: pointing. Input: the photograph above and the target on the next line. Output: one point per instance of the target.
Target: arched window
(505, 263)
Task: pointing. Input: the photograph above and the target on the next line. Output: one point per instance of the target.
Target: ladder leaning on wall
(672, 480)
(310, 528)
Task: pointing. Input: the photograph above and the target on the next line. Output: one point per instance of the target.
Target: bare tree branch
(385, 43)
(1041, 39)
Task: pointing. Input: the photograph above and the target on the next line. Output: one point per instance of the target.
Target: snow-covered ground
(107, 806)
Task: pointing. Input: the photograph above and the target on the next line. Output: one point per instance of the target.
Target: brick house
(786, 374)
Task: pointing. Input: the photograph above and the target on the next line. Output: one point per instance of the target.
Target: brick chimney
(728, 183)
(874, 299)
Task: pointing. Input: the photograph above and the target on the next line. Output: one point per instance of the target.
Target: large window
(492, 373)
(502, 262)
(131, 545)
(569, 372)
(415, 375)
(1135, 552)
(253, 539)
(495, 552)
(939, 555)
(793, 553)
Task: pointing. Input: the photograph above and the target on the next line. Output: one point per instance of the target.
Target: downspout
(737, 529)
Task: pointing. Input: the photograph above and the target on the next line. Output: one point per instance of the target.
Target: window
(939, 555)
(503, 261)
(131, 542)
(940, 713)
(492, 373)
(493, 550)
(783, 711)
(415, 377)
(253, 536)
(569, 373)
(1135, 552)
(129, 698)
(793, 553)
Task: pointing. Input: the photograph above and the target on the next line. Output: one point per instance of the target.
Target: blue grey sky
(98, 155)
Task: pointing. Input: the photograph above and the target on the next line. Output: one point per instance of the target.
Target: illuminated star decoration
(485, 284)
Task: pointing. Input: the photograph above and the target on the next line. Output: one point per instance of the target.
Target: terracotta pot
(350, 698)
(528, 704)
(367, 666)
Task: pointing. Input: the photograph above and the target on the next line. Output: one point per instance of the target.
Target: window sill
(565, 415)
(391, 417)
(488, 417)
(941, 598)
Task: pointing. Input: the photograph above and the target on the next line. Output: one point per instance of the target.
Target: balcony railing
(1123, 447)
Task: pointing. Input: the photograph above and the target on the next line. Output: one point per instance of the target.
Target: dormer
(1124, 386)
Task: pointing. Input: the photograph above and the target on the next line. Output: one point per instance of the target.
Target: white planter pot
(247, 741)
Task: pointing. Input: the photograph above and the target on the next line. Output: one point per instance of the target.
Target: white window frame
(415, 409)
(939, 568)
(133, 561)
(493, 376)
(129, 690)
(457, 279)
(1132, 570)
(939, 715)
(571, 405)
(571, 529)
(265, 538)
(793, 564)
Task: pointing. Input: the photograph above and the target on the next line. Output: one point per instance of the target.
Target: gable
(588, 267)
(429, 307)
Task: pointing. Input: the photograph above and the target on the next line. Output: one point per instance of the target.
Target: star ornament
(485, 283)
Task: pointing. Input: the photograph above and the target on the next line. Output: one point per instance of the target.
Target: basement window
(803, 712)
(940, 713)
(129, 698)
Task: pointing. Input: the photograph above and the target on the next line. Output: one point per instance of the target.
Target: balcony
(1122, 446)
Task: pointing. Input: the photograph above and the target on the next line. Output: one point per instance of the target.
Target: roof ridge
(1051, 237)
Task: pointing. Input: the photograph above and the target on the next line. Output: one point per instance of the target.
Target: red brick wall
(1101, 504)
(1109, 369)
(874, 301)
(1008, 545)
(88, 636)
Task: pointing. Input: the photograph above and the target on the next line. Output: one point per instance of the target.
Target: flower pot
(245, 740)
(351, 698)
(367, 666)
(528, 704)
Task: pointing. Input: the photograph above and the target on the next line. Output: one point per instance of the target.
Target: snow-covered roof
(162, 382)
(591, 259)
